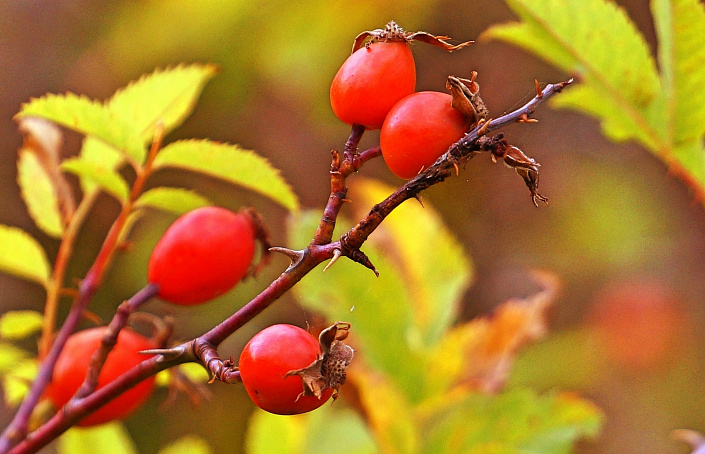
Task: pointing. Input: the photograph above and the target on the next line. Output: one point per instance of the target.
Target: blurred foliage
(434, 393)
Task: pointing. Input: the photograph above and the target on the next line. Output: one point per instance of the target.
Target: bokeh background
(624, 235)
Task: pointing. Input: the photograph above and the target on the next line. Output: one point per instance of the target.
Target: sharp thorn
(483, 129)
(418, 196)
(539, 93)
(457, 170)
(336, 255)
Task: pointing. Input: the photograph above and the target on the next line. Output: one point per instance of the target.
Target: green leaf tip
(166, 95)
(88, 117)
(230, 163)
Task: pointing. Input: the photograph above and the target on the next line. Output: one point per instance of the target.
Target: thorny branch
(203, 348)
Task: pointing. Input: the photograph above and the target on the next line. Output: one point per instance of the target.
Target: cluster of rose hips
(375, 88)
(207, 251)
(202, 255)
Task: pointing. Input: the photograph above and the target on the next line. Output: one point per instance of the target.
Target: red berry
(72, 365)
(418, 130)
(265, 361)
(371, 81)
(203, 254)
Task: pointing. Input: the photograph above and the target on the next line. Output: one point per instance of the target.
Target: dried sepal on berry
(393, 32)
(328, 371)
(466, 98)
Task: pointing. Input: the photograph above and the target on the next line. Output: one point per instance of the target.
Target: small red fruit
(371, 81)
(72, 365)
(418, 130)
(203, 254)
(267, 359)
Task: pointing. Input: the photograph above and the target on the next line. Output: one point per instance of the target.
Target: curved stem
(17, 429)
(203, 347)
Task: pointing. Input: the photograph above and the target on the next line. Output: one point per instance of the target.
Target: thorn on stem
(457, 172)
(418, 196)
(483, 129)
(336, 255)
(524, 118)
(294, 256)
(539, 93)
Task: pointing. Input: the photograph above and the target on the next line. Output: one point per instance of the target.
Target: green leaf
(101, 155)
(379, 308)
(20, 324)
(621, 78)
(17, 381)
(328, 429)
(88, 117)
(388, 412)
(679, 25)
(22, 256)
(516, 421)
(175, 200)
(289, 430)
(10, 356)
(39, 194)
(230, 163)
(111, 438)
(431, 260)
(106, 178)
(190, 444)
(165, 95)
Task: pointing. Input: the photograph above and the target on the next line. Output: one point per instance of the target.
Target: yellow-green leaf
(681, 53)
(22, 256)
(110, 438)
(101, 155)
(289, 430)
(230, 163)
(516, 421)
(597, 41)
(88, 117)
(17, 381)
(389, 414)
(190, 444)
(20, 324)
(175, 200)
(165, 95)
(39, 194)
(106, 178)
(10, 356)
(379, 308)
(431, 260)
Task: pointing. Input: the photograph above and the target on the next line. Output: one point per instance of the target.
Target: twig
(203, 348)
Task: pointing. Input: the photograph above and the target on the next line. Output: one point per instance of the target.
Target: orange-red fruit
(203, 254)
(72, 365)
(266, 359)
(371, 81)
(418, 130)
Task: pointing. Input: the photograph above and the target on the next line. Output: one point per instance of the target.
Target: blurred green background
(623, 234)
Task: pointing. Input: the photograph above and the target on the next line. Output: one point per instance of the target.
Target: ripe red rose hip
(287, 371)
(418, 130)
(203, 254)
(371, 81)
(72, 365)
